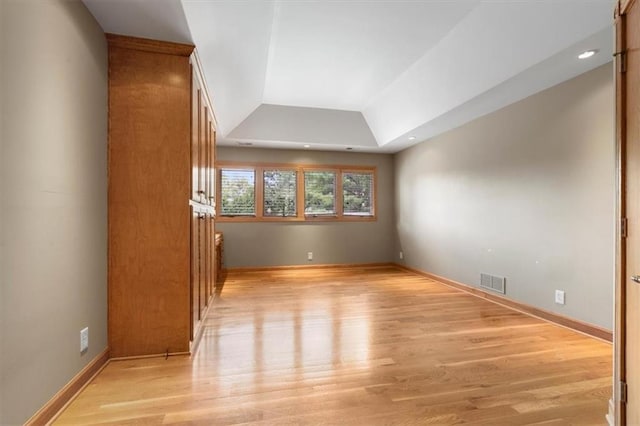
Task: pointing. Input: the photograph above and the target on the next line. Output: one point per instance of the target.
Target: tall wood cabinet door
(629, 126)
(212, 162)
(205, 261)
(202, 289)
(205, 165)
(208, 259)
(195, 270)
(202, 178)
(212, 185)
(212, 242)
(196, 100)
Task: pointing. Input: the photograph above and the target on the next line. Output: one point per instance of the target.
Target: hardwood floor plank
(374, 346)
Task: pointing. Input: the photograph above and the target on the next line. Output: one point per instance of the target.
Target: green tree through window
(356, 193)
(238, 192)
(280, 193)
(319, 193)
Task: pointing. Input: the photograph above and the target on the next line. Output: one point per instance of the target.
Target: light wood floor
(374, 346)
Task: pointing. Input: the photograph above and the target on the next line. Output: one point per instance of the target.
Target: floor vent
(492, 283)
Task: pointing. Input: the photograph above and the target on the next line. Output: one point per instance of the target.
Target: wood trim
(620, 282)
(258, 190)
(149, 45)
(322, 266)
(68, 393)
(309, 166)
(195, 59)
(258, 169)
(625, 5)
(374, 188)
(333, 218)
(573, 324)
(300, 195)
(199, 332)
(126, 358)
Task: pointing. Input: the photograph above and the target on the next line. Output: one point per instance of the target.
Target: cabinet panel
(212, 164)
(210, 256)
(194, 293)
(208, 165)
(149, 174)
(202, 126)
(195, 138)
(202, 260)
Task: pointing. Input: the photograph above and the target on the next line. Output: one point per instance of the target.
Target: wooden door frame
(622, 7)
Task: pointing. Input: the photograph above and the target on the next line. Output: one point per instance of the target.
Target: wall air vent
(493, 283)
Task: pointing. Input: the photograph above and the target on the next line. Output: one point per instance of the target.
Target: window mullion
(218, 191)
(259, 192)
(300, 192)
(339, 200)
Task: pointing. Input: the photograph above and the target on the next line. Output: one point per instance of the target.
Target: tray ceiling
(394, 68)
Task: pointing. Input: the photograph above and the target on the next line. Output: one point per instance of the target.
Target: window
(280, 193)
(320, 193)
(292, 192)
(357, 193)
(237, 187)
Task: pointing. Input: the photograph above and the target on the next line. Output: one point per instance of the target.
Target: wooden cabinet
(203, 198)
(161, 199)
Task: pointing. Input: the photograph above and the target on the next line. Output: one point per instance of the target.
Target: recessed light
(587, 54)
(307, 146)
(412, 138)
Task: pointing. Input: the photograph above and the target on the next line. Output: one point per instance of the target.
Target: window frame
(300, 169)
(337, 206)
(219, 192)
(261, 171)
(373, 192)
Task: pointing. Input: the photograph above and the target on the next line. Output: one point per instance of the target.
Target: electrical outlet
(84, 340)
(310, 255)
(560, 297)
(401, 255)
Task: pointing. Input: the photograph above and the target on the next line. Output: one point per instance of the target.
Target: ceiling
(368, 75)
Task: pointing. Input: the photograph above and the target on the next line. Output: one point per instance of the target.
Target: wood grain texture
(203, 254)
(61, 399)
(149, 172)
(194, 284)
(632, 191)
(590, 329)
(298, 267)
(363, 345)
(626, 5)
(195, 137)
(148, 45)
(620, 275)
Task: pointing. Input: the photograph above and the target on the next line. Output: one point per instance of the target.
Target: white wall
(54, 198)
(316, 126)
(526, 193)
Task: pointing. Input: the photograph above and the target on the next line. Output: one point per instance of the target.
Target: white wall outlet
(560, 297)
(84, 339)
(401, 255)
(310, 255)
